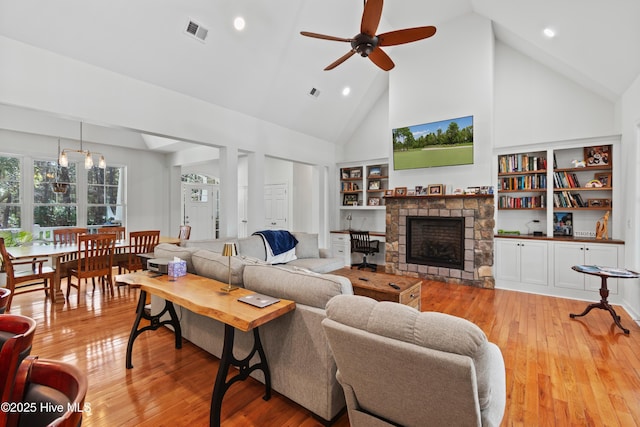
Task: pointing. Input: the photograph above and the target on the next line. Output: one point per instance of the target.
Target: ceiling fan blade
(340, 60)
(371, 17)
(381, 59)
(407, 35)
(324, 37)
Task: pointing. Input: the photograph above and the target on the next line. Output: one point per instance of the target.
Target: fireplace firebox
(435, 241)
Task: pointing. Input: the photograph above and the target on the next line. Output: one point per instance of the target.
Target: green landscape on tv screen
(443, 143)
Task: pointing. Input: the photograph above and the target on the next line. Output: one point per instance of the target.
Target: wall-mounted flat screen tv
(443, 143)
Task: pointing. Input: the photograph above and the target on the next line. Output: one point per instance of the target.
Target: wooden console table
(203, 296)
(604, 273)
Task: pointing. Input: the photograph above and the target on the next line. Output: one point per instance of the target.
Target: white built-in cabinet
(568, 254)
(544, 266)
(522, 261)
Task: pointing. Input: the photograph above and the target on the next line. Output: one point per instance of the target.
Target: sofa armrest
(325, 253)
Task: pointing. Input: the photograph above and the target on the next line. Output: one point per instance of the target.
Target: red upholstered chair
(36, 278)
(58, 384)
(4, 299)
(16, 337)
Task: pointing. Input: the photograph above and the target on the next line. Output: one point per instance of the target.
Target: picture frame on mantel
(435, 190)
(400, 192)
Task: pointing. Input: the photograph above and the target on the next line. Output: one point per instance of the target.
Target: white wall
(630, 107)
(535, 104)
(447, 76)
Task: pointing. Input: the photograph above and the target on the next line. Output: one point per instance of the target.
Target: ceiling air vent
(314, 93)
(196, 30)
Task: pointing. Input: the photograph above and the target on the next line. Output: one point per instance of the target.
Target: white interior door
(276, 206)
(199, 210)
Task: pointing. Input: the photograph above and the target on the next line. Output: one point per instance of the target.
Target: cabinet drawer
(412, 296)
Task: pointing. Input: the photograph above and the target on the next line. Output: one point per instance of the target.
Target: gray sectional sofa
(301, 364)
(309, 255)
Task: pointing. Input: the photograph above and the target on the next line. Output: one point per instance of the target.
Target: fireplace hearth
(447, 238)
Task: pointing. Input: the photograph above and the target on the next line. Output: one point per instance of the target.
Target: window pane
(10, 173)
(95, 194)
(9, 216)
(96, 215)
(54, 208)
(95, 175)
(54, 216)
(105, 196)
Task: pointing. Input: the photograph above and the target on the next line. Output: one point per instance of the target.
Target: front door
(200, 201)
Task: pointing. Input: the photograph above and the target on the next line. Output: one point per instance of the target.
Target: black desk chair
(361, 243)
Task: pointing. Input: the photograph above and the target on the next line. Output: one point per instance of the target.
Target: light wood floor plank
(560, 371)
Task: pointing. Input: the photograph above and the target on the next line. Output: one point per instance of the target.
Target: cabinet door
(534, 262)
(603, 255)
(566, 255)
(507, 260)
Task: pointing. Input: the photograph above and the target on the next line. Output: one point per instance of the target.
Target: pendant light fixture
(63, 158)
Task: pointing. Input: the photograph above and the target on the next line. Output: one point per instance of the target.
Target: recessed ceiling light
(239, 23)
(346, 91)
(549, 32)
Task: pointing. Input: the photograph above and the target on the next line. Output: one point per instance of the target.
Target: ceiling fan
(368, 44)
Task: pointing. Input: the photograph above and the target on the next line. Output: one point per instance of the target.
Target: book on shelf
(521, 163)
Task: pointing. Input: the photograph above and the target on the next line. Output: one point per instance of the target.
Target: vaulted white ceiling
(268, 70)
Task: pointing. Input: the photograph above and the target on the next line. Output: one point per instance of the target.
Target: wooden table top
(204, 296)
(376, 281)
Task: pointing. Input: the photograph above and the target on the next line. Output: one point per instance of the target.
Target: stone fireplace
(445, 238)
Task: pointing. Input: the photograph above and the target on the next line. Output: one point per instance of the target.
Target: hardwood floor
(560, 371)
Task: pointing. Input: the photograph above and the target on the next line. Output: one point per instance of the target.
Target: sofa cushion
(317, 265)
(432, 330)
(307, 246)
(214, 245)
(168, 250)
(215, 266)
(300, 286)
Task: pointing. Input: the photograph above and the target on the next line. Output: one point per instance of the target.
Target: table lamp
(229, 250)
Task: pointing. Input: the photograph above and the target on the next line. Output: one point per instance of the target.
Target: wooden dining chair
(120, 232)
(140, 242)
(94, 260)
(55, 390)
(19, 281)
(185, 232)
(67, 236)
(16, 337)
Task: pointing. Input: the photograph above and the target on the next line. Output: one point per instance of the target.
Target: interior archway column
(228, 192)
(255, 202)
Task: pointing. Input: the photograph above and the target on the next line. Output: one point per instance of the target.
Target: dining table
(62, 258)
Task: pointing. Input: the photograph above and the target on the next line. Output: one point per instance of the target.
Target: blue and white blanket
(280, 245)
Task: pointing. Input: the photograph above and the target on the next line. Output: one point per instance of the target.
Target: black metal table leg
(245, 368)
(155, 324)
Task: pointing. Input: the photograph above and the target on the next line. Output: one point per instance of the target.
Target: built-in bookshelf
(567, 179)
(522, 181)
(363, 186)
(581, 182)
